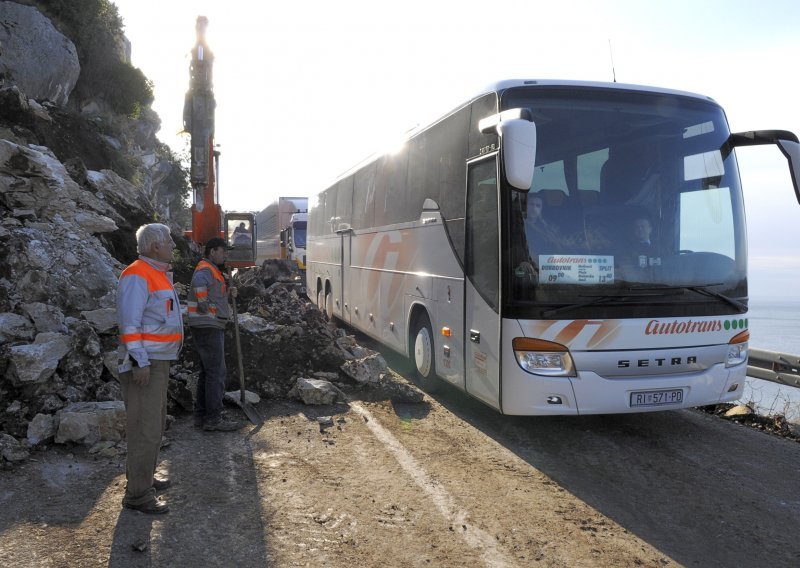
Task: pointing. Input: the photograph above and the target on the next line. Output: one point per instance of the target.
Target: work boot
(152, 507)
(161, 484)
(223, 426)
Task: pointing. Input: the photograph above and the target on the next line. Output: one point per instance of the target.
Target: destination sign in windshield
(575, 269)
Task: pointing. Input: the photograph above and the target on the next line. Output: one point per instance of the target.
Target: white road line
(474, 537)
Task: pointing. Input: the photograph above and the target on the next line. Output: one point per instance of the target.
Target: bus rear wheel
(329, 305)
(422, 354)
(321, 301)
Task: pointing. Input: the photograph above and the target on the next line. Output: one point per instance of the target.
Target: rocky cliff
(76, 181)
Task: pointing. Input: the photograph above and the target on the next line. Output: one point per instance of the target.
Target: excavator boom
(208, 220)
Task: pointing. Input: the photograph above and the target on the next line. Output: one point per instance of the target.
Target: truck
(281, 229)
(293, 238)
(208, 218)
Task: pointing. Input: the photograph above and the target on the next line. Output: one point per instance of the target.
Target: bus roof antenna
(611, 53)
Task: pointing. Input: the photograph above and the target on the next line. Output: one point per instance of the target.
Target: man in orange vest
(209, 312)
(151, 335)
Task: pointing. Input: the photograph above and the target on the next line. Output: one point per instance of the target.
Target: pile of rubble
(60, 378)
(288, 345)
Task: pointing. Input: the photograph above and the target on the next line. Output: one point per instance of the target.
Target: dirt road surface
(445, 483)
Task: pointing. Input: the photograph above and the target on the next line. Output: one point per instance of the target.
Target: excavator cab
(240, 230)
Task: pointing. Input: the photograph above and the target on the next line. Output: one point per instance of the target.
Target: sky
(305, 90)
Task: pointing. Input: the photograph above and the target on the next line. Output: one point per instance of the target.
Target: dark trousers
(210, 345)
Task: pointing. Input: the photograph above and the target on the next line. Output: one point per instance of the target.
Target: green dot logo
(727, 325)
(735, 324)
(741, 324)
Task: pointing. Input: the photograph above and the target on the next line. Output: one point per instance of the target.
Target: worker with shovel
(208, 313)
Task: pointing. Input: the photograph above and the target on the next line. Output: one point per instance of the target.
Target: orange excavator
(208, 220)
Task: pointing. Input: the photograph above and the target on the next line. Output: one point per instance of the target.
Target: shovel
(249, 409)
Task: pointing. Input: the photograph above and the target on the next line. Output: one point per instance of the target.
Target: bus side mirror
(791, 150)
(517, 133)
(519, 151)
(786, 141)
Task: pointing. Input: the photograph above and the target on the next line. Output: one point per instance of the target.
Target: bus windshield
(635, 205)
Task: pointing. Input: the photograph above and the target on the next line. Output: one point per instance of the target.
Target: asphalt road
(702, 490)
(447, 483)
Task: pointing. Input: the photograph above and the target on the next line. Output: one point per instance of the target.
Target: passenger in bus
(642, 250)
(643, 230)
(540, 234)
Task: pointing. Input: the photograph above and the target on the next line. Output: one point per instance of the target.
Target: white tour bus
(500, 249)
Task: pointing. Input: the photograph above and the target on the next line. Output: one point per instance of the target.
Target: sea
(774, 325)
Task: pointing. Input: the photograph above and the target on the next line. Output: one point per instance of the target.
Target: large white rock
(37, 361)
(103, 320)
(316, 391)
(235, 397)
(254, 324)
(11, 450)
(94, 223)
(14, 326)
(367, 369)
(45, 317)
(90, 422)
(36, 57)
(41, 429)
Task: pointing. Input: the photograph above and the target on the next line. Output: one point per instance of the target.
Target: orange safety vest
(148, 312)
(215, 297)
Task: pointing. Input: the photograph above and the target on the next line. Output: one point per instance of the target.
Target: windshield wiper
(703, 289)
(595, 300)
(650, 291)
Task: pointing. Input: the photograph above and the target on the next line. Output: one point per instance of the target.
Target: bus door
(343, 300)
(482, 282)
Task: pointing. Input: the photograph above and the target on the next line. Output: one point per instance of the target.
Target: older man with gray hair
(151, 335)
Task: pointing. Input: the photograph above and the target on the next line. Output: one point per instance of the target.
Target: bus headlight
(737, 349)
(541, 357)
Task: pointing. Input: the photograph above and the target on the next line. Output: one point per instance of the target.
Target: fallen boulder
(316, 391)
(90, 422)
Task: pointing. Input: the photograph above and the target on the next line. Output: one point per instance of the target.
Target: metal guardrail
(775, 367)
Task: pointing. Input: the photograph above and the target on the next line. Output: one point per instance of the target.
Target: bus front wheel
(422, 354)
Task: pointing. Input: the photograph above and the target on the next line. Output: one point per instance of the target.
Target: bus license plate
(656, 398)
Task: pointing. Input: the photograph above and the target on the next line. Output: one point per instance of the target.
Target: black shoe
(223, 426)
(152, 507)
(161, 484)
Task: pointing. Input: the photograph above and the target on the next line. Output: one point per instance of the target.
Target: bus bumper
(590, 393)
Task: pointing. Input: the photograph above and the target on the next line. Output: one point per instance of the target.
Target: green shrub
(96, 29)
(126, 89)
(177, 186)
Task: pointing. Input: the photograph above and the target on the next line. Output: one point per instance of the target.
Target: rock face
(67, 222)
(35, 56)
